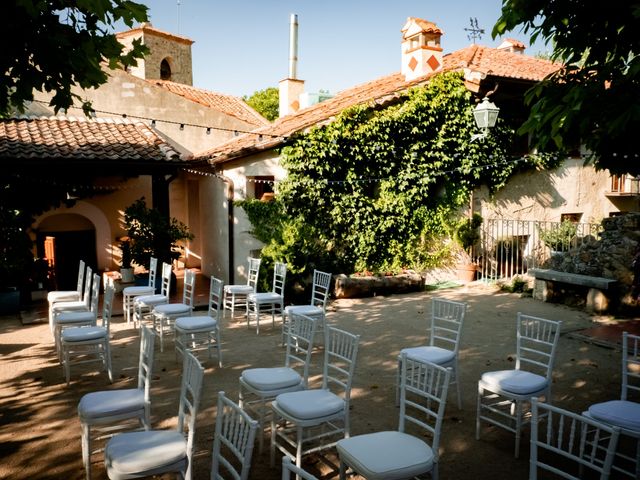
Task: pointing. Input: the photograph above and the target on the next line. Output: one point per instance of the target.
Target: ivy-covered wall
(381, 189)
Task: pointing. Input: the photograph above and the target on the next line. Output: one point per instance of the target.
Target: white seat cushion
(265, 297)
(309, 404)
(107, 403)
(75, 317)
(266, 379)
(622, 413)
(198, 322)
(308, 310)
(83, 334)
(386, 455)
(63, 296)
(246, 289)
(142, 451)
(75, 305)
(171, 309)
(436, 355)
(139, 290)
(519, 382)
(150, 300)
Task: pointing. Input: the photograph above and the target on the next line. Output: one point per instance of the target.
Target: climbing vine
(381, 188)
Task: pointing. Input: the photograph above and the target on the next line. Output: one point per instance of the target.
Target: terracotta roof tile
(72, 138)
(228, 104)
(485, 60)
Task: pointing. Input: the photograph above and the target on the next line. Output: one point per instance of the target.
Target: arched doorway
(69, 238)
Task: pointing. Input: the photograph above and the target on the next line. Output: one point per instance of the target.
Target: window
(260, 187)
(571, 217)
(618, 183)
(165, 70)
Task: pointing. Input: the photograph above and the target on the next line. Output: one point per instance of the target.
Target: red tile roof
(71, 138)
(228, 104)
(477, 58)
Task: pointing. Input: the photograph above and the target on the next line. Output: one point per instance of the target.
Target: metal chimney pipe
(293, 47)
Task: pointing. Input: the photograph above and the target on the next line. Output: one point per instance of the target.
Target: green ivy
(368, 190)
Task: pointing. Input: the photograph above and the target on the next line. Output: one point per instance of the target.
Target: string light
(153, 121)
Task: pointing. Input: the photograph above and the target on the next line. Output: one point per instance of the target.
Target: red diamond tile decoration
(433, 63)
(413, 63)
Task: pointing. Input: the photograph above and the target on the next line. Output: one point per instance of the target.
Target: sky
(243, 46)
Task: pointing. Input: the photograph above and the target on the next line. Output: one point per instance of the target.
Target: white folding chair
(89, 343)
(233, 441)
(288, 468)
(198, 332)
(503, 395)
(567, 444)
(77, 314)
(624, 413)
(165, 314)
(81, 305)
(261, 385)
(129, 293)
(111, 409)
(392, 455)
(273, 300)
(447, 318)
(317, 418)
(66, 295)
(316, 308)
(153, 452)
(236, 295)
(143, 305)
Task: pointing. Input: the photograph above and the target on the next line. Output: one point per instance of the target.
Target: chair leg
(478, 409)
(299, 432)
(218, 348)
(455, 372)
(107, 354)
(85, 439)
(343, 471)
(65, 361)
(272, 455)
(398, 382)
(518, 414)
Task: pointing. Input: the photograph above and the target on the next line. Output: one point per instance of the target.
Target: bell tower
(169, 56)
(421, 51)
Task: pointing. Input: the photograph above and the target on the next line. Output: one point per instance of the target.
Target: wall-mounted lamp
(485, 115)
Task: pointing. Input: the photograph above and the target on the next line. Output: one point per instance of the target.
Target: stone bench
(598, 287)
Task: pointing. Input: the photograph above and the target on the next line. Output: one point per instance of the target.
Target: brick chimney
(421, 51)
(512, 45)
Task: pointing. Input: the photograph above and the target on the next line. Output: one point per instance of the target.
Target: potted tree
(152, 234)
(126, 269)
(559, 237)
(467, 235)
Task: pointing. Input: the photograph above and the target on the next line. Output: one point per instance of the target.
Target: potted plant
(152, 234)
(16, 258)
(126, 270)
(559, 237)
(467, 235)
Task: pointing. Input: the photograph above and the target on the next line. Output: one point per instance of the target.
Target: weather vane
(475, 32)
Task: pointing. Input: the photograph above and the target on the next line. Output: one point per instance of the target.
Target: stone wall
(609, 257)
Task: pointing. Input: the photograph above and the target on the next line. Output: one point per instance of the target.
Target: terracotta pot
(466, 272)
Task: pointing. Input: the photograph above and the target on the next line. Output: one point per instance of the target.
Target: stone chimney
(291, 88)
(512, 45)
(421, 51)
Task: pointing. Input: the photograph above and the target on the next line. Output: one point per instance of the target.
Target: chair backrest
(279, 277)
(572, 442)
(537, 339)
(145, 363)
(107, 306)
(300, 337)
(289, 467)
(166, 279)
(94, 297)
(191, 388)
(254, 272)
(88, 277)
(340, 354)
(423, 397)
(233, 441)
(80, 284)
(447, 318)
(216, 304)
(320, 289)
(630, 364)
(153, 271)
(189, 288)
